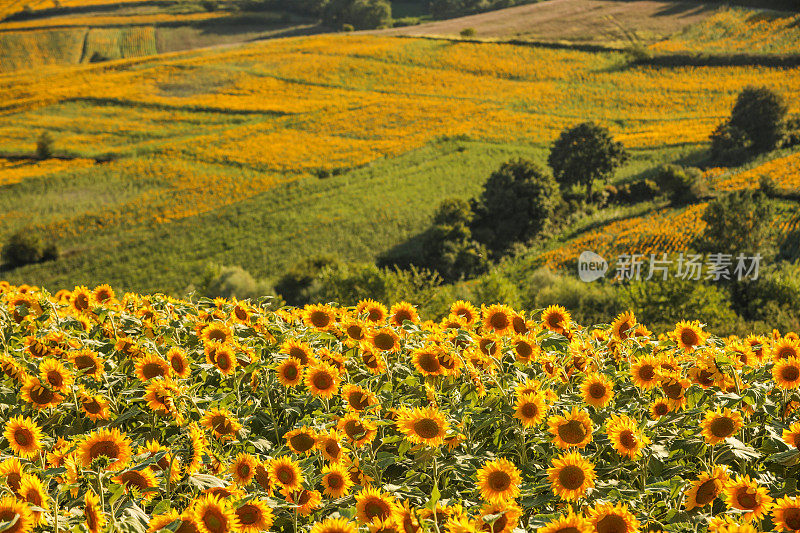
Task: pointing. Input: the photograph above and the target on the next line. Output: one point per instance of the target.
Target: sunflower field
(148, 413)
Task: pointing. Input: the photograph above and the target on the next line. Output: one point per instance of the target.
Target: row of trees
(352, 14)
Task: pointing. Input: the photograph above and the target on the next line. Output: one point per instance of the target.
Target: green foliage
(761, 114)
(662, 303)
(44, 145)
(442, 9)
(681, 184)
(231, 282)
(449, 247)
(467, 32)
(770, 299)
(360, 14)
(728, 144)
(515, 204)
(738, 222)
(22, 248)
(493, 288)
(295, 284)
(637, 191)
(584, 154)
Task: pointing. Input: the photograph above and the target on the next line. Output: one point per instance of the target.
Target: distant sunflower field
(147, 413)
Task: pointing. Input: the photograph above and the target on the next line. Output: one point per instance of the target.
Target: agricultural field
(148, 413)
(374, 113)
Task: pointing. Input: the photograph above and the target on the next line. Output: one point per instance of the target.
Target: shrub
(638, 52)
(44, 145)
(728, 144)
(584, 154)
(761, 114)
(468, 32)
(449, 246)
(738, 222)
(209, 5)
(22, 248)
(792, 134)
(50, 252)
(405, 21)
(357, 14)
(295, 284)
(231, 282)
(681, 184)
(515, 204)
(347, 28)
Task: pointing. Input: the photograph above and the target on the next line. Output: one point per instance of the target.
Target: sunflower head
(302, 440)
(571, 429)
(556, 318)
(423, 425)
(372, 503)
(571, 476)
(498, 481)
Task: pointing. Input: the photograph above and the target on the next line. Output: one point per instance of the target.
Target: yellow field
(738, 31)
(785, 171)
(16, 171)
(119, 20)
(9, 7)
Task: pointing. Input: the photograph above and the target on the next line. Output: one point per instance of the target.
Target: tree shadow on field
(405, 254)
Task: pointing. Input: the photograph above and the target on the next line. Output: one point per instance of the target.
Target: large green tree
(583, 154)
(761, 114)
(516, 202)
(361, 14)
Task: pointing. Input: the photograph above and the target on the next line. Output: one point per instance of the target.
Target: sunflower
(55, 375)
(622, 326)
(791, 436)
(406, 518)
(221, 423)
(786, 348)
(243, 469)
(556, 318)
(178, 362)
(525, 348)
(301, 440)
(320, 317)
(94, 518)
(625, 436)
(400, 312)
(571, 475)
(467, 312)
(161, 521)
(109, 443)
(674, 389)
(322, 380)
(499, 481)
(153, 448)
(372, 503)
(718, 426)
(706, 488)
(499, 517)
(261, 476)
(81, 299)
(142, 481)
(530, 409)
(255, 516)
(290, 372)
(497, 318)
(299, 350)
(215, 515)
(216, 332)
(32, 491)
(659, 408)
(334, 525)
(358, 398)
(375, 312)
(24, 436)
(786, 373)
(570, 523)
(38, 395)
(423, 425)
(151, 366)
(88, 362)
(746, 495)
(786, 514)
(385, 340)
(224, 359)
(643, 372)
(426, 360)
(12, 470)
(373, 360)
(597, 390)
(335, 481)
(360, 431)
(607, 518)
(328, 445)
(160, 397)
(571, 429)
(285, 472)
(689, 335)
(490, 344)
(355, 331)
(94, 406)
(240, 313)
(103, 293)
(305, 500)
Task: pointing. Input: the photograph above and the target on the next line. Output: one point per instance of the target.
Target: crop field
(146, 413)
(276, 114)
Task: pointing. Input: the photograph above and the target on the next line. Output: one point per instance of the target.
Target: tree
(738, 222)
(449, 246)
(44, 145)
(584, 154)
(761, 114)
(515, 205)
(361, 14)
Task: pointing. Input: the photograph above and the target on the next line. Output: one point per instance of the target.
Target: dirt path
(582, 21)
